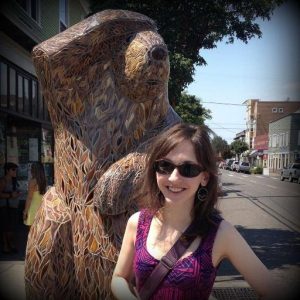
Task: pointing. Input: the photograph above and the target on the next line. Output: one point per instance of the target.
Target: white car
(234, 165)
(244, 166)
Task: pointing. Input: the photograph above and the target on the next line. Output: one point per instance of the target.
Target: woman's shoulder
(226, 230)
(133, 219)
(32, 184)
(140, 217)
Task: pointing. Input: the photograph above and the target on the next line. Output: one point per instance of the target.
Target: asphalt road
(280, 199)
(263, 209)
(266, 212)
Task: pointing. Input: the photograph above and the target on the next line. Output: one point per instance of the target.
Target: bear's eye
(130, 37)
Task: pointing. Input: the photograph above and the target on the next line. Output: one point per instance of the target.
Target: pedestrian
(9, 203)
(181, 185)
(36, 189)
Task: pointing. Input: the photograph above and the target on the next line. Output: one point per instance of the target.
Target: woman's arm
(232, 245)
(31, 189)
(124, 268)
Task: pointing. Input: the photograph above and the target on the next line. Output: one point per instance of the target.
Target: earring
(202, 194)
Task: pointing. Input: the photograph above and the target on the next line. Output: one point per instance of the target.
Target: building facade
(284, 141)
(26, 134)
(258, 116)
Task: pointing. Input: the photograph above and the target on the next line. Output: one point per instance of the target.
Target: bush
(257, 170)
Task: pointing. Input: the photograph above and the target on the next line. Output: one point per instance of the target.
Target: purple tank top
(191, 278)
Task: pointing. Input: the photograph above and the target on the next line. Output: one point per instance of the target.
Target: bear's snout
(158, 52)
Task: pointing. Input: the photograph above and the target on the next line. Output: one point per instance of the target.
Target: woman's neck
(174, 217)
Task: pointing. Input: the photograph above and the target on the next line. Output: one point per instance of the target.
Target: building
(284, 141)
(258, 116)
(241, 136)
(26, 133)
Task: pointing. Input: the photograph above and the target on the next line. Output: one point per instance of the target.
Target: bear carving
(105, 83)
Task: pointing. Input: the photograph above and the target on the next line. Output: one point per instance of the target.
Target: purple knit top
(191, 278)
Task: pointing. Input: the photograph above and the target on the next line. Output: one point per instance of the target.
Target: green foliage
(227, 154)
(239, 147)
(256, 170)
(181, 71)
(221, 147)
(191, 25)
(190, 110)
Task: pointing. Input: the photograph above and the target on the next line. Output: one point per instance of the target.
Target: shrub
(257, 170)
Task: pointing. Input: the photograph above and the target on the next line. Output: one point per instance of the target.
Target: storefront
(26, 135)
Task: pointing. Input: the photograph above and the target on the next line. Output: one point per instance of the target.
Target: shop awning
(253, 153)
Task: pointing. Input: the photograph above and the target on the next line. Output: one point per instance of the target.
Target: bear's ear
(67, 55)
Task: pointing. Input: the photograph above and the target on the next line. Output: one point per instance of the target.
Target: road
(263, 209)
(266, 212)
(280, 199)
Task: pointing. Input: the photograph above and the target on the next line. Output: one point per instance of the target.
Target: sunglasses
(185, 169)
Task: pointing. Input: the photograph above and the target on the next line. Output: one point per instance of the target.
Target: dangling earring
(202, 194)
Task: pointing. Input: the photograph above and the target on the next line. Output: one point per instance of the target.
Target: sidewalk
(12, 284)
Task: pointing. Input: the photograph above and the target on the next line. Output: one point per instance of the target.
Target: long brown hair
(204, 212)
(38, 173)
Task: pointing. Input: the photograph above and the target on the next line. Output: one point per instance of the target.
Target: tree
(221, 147)
(190, 109)
(238, 147)
(191, 25)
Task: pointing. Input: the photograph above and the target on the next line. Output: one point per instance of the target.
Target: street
(279, 199)
(265, 211)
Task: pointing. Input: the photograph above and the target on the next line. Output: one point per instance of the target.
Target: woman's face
(175, 187)
(12, 172)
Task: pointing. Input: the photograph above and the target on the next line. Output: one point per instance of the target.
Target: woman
(181, 180)
(9, 202)
(36, 190)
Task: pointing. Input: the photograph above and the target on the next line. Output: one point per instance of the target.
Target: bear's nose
(158, 53)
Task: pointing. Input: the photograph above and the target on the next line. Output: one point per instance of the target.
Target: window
(31, 7)
(12, 89)
(20, 92)
(274, 110)
(274, 140)
(280, 109)
(3, 86)
(34, 99)
(63, 15)
(26, 97)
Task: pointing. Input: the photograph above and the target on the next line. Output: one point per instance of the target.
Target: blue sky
(267, 69)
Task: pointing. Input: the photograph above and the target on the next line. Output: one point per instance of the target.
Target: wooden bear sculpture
(105, 83)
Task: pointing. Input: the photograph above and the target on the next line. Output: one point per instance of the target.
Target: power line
(222, 103)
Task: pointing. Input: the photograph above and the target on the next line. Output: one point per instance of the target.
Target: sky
(267, 69)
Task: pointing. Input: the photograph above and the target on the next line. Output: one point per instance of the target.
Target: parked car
(228, 164)
(291, 172)
(243, 166)
(234, 165)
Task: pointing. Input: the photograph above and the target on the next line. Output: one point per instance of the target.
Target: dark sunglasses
(185, 169)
